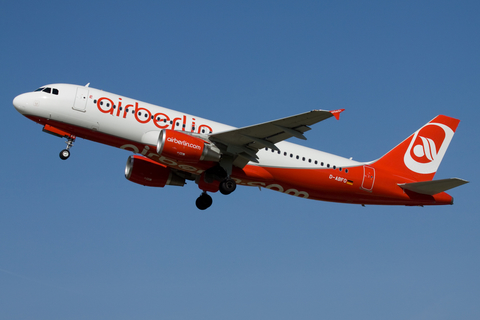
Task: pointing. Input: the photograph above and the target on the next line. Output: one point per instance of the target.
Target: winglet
(336, 113)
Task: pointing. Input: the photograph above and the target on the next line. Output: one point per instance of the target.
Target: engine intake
(149, 173)
(180, 146)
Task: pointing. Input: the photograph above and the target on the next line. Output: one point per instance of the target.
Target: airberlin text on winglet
(336, 113)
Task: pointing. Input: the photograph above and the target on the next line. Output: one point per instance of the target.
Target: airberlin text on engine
(185, 143)
(144, 116)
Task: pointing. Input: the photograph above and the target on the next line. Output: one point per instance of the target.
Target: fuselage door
(368, 178)
(80, 103)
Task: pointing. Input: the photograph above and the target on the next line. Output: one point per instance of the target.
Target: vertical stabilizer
(419, 156)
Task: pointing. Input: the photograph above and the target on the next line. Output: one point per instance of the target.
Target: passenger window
(55, 91)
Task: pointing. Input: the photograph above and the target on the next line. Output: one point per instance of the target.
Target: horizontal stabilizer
(434, 186)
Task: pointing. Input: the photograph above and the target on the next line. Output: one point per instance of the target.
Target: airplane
(171, 147)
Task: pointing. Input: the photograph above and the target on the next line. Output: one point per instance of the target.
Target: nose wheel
(65, 153)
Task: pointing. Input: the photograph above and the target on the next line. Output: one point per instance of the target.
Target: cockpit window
(48, 90)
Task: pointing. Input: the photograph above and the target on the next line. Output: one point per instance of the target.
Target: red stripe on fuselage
(325, 184)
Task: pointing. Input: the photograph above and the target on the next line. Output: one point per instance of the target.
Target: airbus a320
(171, 147)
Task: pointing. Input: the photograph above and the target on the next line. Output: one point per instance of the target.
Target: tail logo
(427, 148)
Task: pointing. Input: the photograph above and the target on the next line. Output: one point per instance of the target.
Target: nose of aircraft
(20, 102)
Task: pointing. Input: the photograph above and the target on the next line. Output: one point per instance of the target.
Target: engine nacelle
(149, 173)
(180, 146)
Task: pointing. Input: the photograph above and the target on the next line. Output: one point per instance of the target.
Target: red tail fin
(419, 156)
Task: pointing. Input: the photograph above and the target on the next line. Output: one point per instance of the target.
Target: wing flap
(434, 186)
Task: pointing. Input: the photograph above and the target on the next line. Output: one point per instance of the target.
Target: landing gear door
(80, 103)
(368, 178)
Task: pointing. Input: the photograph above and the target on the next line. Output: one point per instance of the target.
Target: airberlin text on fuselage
(159, 119)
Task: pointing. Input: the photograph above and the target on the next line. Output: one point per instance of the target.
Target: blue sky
(79, 241)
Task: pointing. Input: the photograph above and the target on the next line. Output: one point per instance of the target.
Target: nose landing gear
(65, 153)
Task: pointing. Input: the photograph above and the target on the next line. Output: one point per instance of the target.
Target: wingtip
(336, 113)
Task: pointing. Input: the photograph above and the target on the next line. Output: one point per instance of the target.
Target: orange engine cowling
(180, 146)
(149, 173)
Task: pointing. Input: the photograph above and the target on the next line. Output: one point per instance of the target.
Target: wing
(243, 143)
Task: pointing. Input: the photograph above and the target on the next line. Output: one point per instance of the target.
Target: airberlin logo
(427, 148)
(184, 143)
(143, 115)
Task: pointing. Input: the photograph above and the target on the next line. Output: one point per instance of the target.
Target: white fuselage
(130, 120)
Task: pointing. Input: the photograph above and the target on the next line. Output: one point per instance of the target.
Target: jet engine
(149, 173)
(180, 146)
